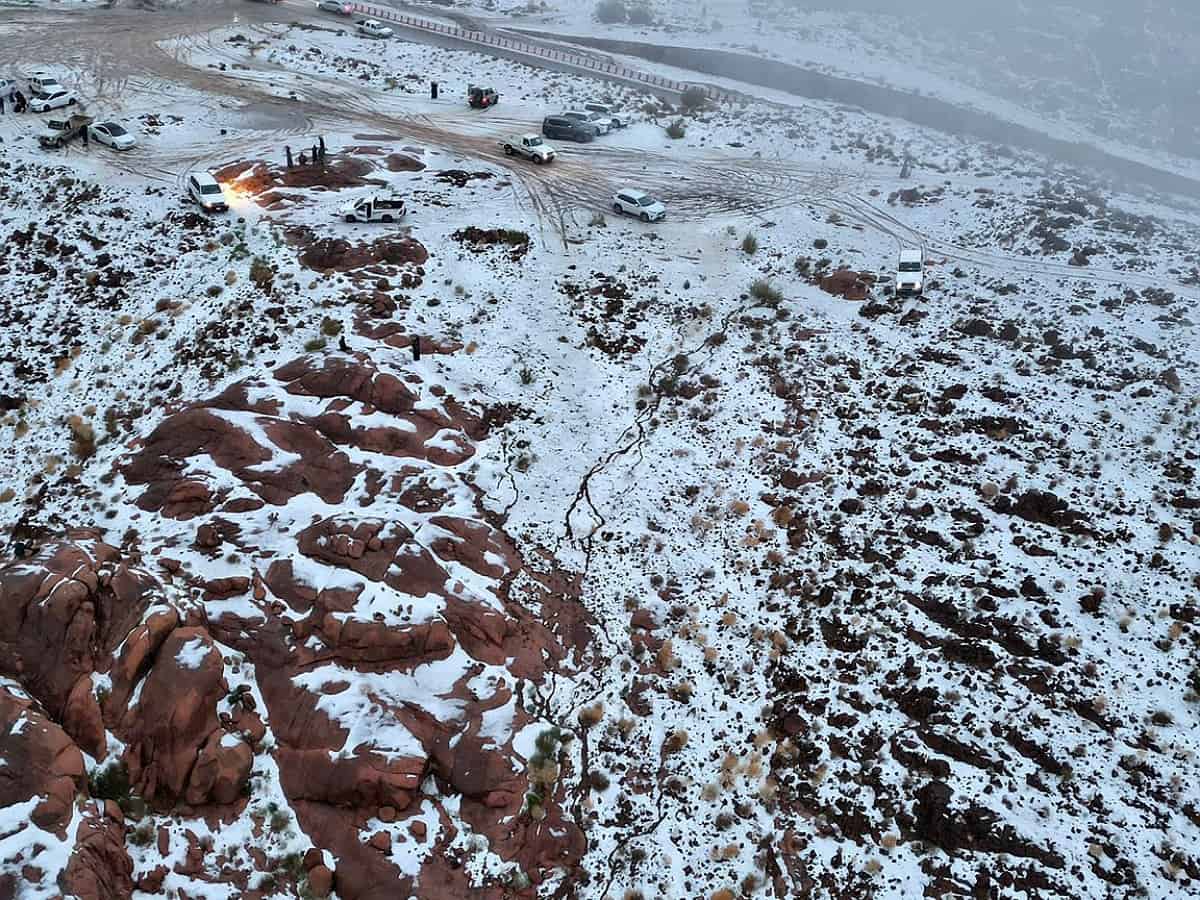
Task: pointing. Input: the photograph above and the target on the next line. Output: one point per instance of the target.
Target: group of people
(318, 154)
(17, 100)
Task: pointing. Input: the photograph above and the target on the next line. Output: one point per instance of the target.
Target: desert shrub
(640, 14)
(514, 238)
(749, 244)
(261, 274)
(693, 99)
(820, 243)
(331, 327)
(315, 344)
(676, 130)
(109, 783)
(766, 293)
(610, 12)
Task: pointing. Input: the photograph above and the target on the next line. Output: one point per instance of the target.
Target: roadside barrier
(485, 39)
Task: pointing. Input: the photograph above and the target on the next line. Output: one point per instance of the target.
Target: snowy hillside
(521, 548)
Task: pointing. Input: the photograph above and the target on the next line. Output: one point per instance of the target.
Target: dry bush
(676, 741)
(667, 661)
(83, 437)
(590, 716)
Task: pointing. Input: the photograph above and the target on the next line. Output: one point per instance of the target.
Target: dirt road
(145, 59)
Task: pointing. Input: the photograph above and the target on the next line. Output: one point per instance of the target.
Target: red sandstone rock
(174, 719)
(100, 867)
(178, 750)
(320, 881)
(49, 763)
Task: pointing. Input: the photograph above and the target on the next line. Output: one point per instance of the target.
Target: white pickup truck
(374, 209)
(530, 146)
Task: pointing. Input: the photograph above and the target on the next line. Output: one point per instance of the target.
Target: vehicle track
(153, 54)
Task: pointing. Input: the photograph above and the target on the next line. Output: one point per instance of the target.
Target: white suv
(637, 203)
(615, 120)
(43, 83)
(204, 190)
(602, 124)
(910, 273)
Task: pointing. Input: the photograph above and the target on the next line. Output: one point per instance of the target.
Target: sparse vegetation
(765, 293)
(750, 244)
(611, 12)
(110, 782)
(693, 99)
(676, 130)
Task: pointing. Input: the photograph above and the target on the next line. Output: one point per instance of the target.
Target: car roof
(530, 134)
(911, 255)
(633, 192)
(204, 178)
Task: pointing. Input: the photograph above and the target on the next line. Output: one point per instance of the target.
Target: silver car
(602, 124)
(334, 6)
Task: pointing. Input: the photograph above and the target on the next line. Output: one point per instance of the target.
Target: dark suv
(564, 129)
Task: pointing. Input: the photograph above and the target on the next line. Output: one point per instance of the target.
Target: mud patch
(400, 162)
(255, 178)
(384, 255)
(479, 239)
(461, 178)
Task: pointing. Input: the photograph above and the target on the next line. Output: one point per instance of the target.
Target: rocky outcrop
(369, 655)
(61, 614)
(40, 761)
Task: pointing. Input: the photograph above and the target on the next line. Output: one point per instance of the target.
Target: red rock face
(344, 613)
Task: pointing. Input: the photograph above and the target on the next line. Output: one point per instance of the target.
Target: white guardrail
(485, 39)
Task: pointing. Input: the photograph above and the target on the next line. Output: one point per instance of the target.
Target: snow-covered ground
(888, 596)
(1027, 83)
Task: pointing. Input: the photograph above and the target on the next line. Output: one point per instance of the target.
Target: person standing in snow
(288, 150)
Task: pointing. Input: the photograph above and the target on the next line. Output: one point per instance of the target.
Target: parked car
(560, 128)
(530, 146)
(481, 97)
(374, 209)
(111, 134)
(204, 190)
(633, 202)
(60, 132)
(599, 122)
(43, 83)
(56, 100)
(910, 273)
(616, 120)
(371, 28)
(334, 6)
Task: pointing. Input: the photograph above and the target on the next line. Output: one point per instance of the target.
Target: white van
(910, 273)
